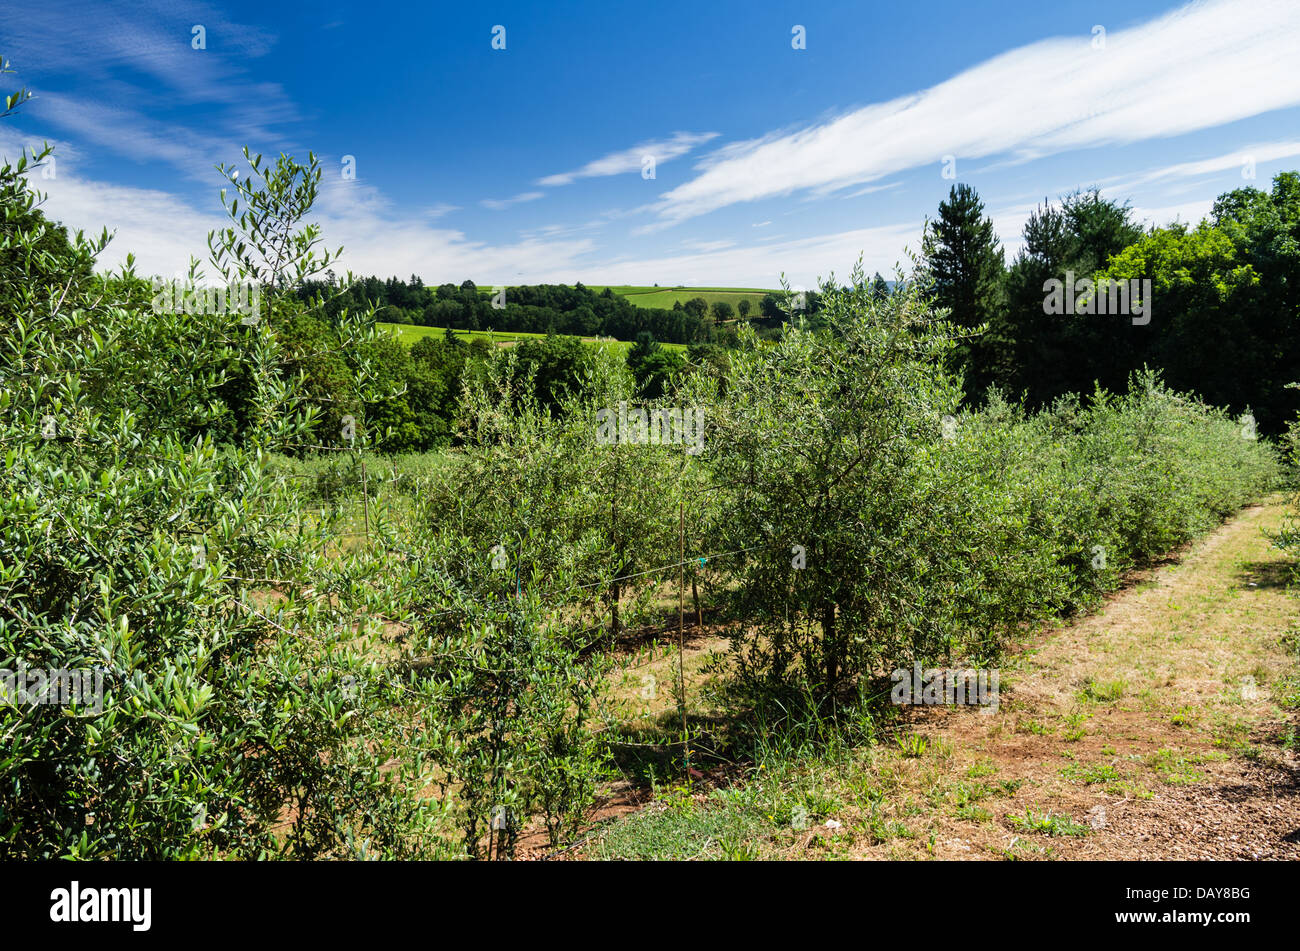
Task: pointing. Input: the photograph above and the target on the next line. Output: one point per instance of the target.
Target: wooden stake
(616, 590)
(681, 617)
(365, 497)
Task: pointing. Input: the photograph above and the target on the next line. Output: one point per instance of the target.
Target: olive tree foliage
(888, 526)
(265, 242)
(505, 693)
(502, 631)
(817, 446)
(272, 246)
(543, 490)
(241, 714)
(536, 542)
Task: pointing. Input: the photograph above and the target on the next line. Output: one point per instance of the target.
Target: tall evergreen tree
(879, 288)
(964, 258)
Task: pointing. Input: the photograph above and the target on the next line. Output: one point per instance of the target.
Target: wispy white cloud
(708, 246)
(138, 60)
(1240, 160)
(158, 228)
(498, 204)
(378, 239)
(803, 260)
(163, 231)
(101, 128)
(872, 189)
(153, 38)
(630, 160)
(1204, 65)
(1188, 212)
(561, 230)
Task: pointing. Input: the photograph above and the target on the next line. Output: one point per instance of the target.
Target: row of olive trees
(867, 521)
(889, 527)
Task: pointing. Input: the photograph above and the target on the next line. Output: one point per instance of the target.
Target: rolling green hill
(408, 334)
(667, 296)
(641, 296)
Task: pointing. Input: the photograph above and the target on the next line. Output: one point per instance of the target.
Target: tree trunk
(832, 649)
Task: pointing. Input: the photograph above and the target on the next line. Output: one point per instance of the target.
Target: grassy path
(1153, 724)
(1154, 728)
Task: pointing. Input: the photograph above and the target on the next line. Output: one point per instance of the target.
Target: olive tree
(816, 448)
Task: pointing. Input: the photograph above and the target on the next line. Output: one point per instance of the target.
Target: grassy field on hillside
(410, 333)
(665, 297)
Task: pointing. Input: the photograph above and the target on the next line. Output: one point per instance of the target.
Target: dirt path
(1152, 724)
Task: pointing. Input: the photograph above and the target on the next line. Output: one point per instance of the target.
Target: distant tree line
(424, 383)
(540, 308)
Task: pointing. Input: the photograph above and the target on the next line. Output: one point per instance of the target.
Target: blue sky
(525, 164)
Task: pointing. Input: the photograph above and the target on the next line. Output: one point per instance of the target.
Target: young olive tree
(321, 356)
(816, 449)
(550, 491)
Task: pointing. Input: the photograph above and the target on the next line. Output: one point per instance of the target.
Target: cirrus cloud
(1204, 65)
(629, 160)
